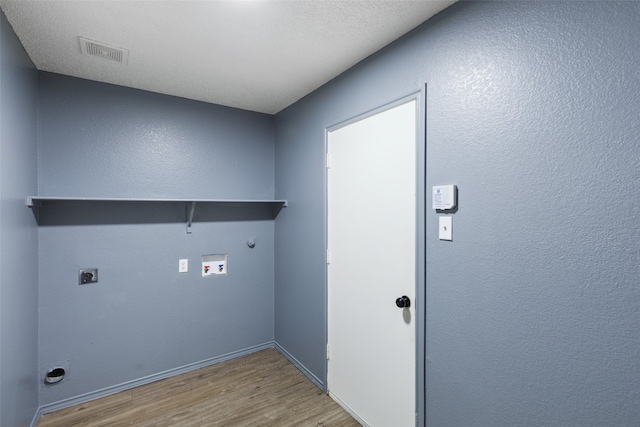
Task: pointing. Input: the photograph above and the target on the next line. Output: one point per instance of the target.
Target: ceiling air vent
(102, 50)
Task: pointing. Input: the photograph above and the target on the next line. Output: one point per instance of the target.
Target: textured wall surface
(143, 317)
(533, 308)
(18, 233)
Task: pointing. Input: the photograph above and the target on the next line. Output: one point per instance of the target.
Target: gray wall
(143, 317)
(18, 233)
(533, 309)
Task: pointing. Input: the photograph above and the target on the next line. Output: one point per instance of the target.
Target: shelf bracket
(35, 208)
(190, 211)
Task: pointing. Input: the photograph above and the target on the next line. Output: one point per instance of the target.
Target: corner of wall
(18, 245)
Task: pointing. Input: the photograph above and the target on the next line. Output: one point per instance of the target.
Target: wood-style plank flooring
(261, 389)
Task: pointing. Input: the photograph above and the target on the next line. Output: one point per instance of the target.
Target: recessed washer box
(214, 265)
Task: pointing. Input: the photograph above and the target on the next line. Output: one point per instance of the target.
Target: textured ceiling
(255, 55)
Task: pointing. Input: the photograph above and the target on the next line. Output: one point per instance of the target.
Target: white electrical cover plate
(445, 228)
(443, 197)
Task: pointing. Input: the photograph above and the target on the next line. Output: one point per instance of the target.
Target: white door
(372, 262)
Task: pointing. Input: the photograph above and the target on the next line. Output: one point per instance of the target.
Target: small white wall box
(214, 265)
(444, 197)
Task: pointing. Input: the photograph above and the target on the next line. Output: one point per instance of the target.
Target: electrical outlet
(183, 265)
(87, 275)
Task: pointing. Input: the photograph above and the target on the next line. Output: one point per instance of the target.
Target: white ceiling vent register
(103, 50)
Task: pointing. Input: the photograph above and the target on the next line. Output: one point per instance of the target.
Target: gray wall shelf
(37, 203)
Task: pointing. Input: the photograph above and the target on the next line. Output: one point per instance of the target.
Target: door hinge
(328, 352)
(328, 256)
(328, 161)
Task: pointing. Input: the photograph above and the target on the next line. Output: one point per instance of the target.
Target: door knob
(403, 302)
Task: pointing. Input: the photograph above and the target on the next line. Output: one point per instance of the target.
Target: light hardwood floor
(261, 389)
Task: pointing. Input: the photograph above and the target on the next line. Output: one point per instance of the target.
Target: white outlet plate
(445, 231)
(183, 266)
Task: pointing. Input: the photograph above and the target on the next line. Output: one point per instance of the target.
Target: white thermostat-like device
(444, 197)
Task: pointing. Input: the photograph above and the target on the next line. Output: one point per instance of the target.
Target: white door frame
(421, 209)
